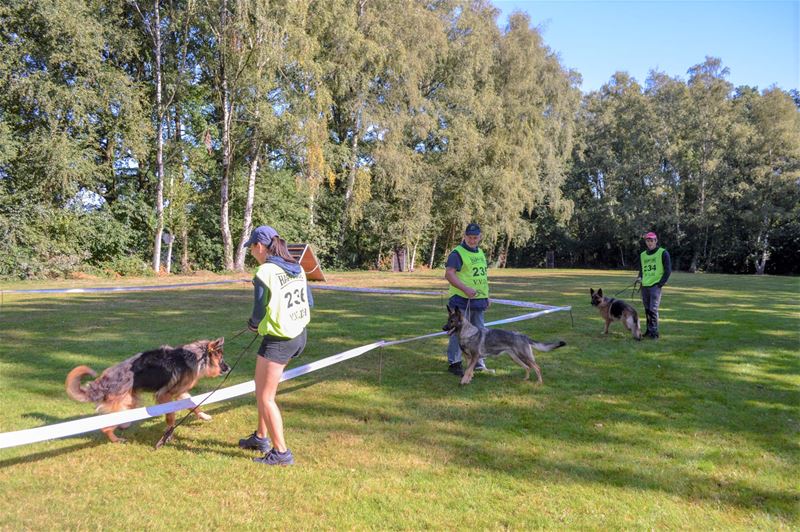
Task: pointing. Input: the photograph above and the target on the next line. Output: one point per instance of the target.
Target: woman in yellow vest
(465, 270)
(655, 268)
(281, 311)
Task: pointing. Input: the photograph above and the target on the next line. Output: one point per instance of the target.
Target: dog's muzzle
(223, 367)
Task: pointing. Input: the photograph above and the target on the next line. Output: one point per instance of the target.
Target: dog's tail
(539, 346)
(73, 384)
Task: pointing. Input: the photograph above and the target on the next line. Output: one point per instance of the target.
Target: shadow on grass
(94, 441)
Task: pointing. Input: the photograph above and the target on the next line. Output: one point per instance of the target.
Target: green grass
(699, 430)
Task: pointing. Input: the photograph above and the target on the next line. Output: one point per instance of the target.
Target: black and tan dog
(616, 310)
(477, 343)
(169, 372)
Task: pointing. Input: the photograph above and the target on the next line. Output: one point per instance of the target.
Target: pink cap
(651, 235)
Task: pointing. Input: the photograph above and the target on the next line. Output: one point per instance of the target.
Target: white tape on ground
(144, 288)
(79, 426)
(83, 425)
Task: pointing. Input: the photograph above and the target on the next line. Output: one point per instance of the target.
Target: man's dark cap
(473, 229)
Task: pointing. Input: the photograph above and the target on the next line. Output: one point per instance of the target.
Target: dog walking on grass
(170, 372)
(477, 343)
(616, 310)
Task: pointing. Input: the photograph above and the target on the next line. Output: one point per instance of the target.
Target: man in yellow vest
(655, 268)
(465, 270)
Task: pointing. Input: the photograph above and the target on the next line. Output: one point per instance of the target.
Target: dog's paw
(204, 416)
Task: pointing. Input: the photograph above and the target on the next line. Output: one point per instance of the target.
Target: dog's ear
(217, 344)
(449, 311)
(600, 292)
(591, 291)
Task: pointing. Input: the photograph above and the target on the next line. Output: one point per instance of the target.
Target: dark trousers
(651, 298)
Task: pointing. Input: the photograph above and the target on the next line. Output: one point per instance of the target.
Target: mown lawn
(699, 430)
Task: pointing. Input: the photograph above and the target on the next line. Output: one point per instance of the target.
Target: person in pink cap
(655, 268)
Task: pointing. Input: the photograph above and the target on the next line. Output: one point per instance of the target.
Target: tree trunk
(413, 261)
(761, 263)
(227, 240)
(169, 255)
(159, 140)
(433, 252)
(621, 255)
(185, 250)
(693, 263)
(241, 252)
(504, 256)
(451, 238)
(176, 227)
(351, 180)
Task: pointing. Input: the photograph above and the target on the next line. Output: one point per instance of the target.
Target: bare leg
(268, 375)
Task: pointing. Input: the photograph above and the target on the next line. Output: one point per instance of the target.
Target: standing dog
(615, 309)
(477, 343)
(170, 372)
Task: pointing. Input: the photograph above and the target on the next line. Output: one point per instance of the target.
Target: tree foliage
(369, 128)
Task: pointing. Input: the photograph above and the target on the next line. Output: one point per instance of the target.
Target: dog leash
(633, 290)
(637, 287)
(171, 430)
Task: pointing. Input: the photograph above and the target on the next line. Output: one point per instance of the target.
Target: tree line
(153, 135)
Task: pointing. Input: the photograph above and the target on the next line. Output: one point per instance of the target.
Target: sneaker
(254, 442)
(456, 369)
(275, 457)
(480, 366)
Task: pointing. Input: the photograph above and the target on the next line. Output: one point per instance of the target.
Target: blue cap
(263, 234)
(473, 229)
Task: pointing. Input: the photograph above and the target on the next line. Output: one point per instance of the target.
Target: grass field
(698, 430)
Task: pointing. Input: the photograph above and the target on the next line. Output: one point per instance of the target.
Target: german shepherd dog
(170, 372)
(477, 343)
(616, 310)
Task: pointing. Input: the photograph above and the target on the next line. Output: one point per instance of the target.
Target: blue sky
(759, 41)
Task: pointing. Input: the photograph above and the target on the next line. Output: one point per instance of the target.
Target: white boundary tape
(145, 288)
(80, 426)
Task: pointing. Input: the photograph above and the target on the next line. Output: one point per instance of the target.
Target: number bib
(288, 311)
(472, 274)
(652, 267)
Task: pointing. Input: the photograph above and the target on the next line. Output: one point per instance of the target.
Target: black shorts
(281, 350)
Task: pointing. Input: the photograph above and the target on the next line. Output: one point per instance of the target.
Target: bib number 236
(295, 297)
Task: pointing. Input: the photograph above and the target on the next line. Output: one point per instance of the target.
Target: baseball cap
(651, 235)
(262, 234)
(472, 229)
